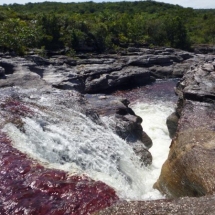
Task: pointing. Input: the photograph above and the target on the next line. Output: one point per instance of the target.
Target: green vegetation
(103, 27)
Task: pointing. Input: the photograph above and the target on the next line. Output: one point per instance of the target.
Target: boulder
(179, 69)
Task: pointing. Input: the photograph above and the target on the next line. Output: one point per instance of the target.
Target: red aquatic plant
(16, 107)
(26, 187)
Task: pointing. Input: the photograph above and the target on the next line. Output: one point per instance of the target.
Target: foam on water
(154, 117)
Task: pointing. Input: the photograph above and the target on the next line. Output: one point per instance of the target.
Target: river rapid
(154, 103)
(77, 145)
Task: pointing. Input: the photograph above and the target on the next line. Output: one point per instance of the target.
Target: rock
(144, 155)
(8, 67)
(190, 161)
(199, 83)
(38, 60)
(172, 124)
(203, 49)
(2, 72)
(88, 73)
(198, 206)
(123, 122)
(171, 50)
(129, 76)
(180, 69)
(109, 60)
(191, 158)
(60, 60)
(162, 71)
(209, 58)
(185, 55)
(133, 49)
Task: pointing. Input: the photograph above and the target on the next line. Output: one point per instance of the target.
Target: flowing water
(63, 138)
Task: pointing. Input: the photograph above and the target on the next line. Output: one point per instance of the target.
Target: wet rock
(144, 155)
(172, 124)
(123, 121)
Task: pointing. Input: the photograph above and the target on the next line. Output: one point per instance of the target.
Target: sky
(185, 3)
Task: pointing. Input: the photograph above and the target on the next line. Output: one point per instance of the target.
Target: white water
(64, 138)
(154, 117)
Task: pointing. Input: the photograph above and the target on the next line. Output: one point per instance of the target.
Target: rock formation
(99, 73)
(189, 169)
(123, 121)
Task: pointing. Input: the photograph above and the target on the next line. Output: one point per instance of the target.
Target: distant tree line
(103, 27)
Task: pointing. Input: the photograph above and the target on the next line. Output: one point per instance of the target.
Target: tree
(17, 35)
(176, 33)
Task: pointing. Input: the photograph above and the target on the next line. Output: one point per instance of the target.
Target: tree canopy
(103, 27)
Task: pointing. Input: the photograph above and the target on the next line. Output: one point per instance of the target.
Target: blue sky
(184, 3)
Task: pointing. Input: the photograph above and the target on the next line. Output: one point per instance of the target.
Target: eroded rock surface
(98, 73)
(189, 169)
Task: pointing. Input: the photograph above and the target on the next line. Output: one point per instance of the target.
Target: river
(63, 138)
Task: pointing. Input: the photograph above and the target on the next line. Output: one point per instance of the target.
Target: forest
(103, 27)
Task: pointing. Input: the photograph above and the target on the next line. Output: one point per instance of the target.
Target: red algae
(26, 187)
(16, 107)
